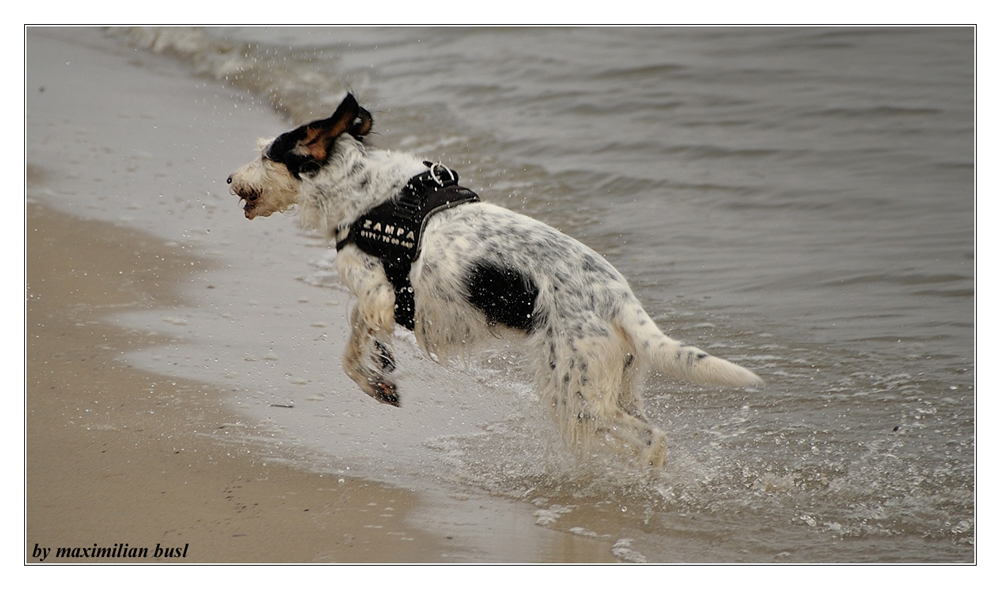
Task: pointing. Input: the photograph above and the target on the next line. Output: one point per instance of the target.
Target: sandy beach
(117, 456)
(150, 468)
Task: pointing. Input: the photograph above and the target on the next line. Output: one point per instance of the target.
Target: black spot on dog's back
(504, 295)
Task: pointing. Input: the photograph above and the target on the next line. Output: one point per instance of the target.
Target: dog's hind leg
(620, 420)
(588, 383)
(649, 442)
(368, 358)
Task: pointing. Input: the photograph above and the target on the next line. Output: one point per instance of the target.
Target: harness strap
(391, 231)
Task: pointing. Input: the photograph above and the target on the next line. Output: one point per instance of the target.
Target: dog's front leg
(368, 358)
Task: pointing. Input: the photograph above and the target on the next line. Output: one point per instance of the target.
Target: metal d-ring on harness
(391, 231)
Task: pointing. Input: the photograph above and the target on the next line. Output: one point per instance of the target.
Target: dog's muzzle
(248, 195)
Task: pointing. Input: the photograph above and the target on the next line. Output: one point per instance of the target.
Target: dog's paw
(385, 392)
(655, 454)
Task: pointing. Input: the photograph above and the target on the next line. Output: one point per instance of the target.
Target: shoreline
(117, 455)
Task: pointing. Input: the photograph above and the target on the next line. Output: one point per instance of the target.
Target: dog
(416, 249)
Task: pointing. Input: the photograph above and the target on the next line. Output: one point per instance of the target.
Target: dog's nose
(229, 180)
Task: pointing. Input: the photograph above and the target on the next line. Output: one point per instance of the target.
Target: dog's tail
(681, 360)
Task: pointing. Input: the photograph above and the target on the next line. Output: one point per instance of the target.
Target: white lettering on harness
(407, 242)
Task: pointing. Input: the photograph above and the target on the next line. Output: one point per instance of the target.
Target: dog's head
(270, 183)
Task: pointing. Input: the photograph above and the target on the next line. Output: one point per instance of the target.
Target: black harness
(391, 231)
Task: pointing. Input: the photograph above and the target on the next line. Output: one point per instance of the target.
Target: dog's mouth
(247, 195)
(249, 204)
(249, 199)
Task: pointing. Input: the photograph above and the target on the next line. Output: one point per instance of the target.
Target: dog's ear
(320, 135)
(305, 149)
(349, 117)
(362, 124)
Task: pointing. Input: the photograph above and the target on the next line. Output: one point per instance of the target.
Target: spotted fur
(482, 271)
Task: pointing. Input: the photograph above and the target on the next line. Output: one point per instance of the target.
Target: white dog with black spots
(479, 270)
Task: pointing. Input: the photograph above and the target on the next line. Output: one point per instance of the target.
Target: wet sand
(120, 456)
